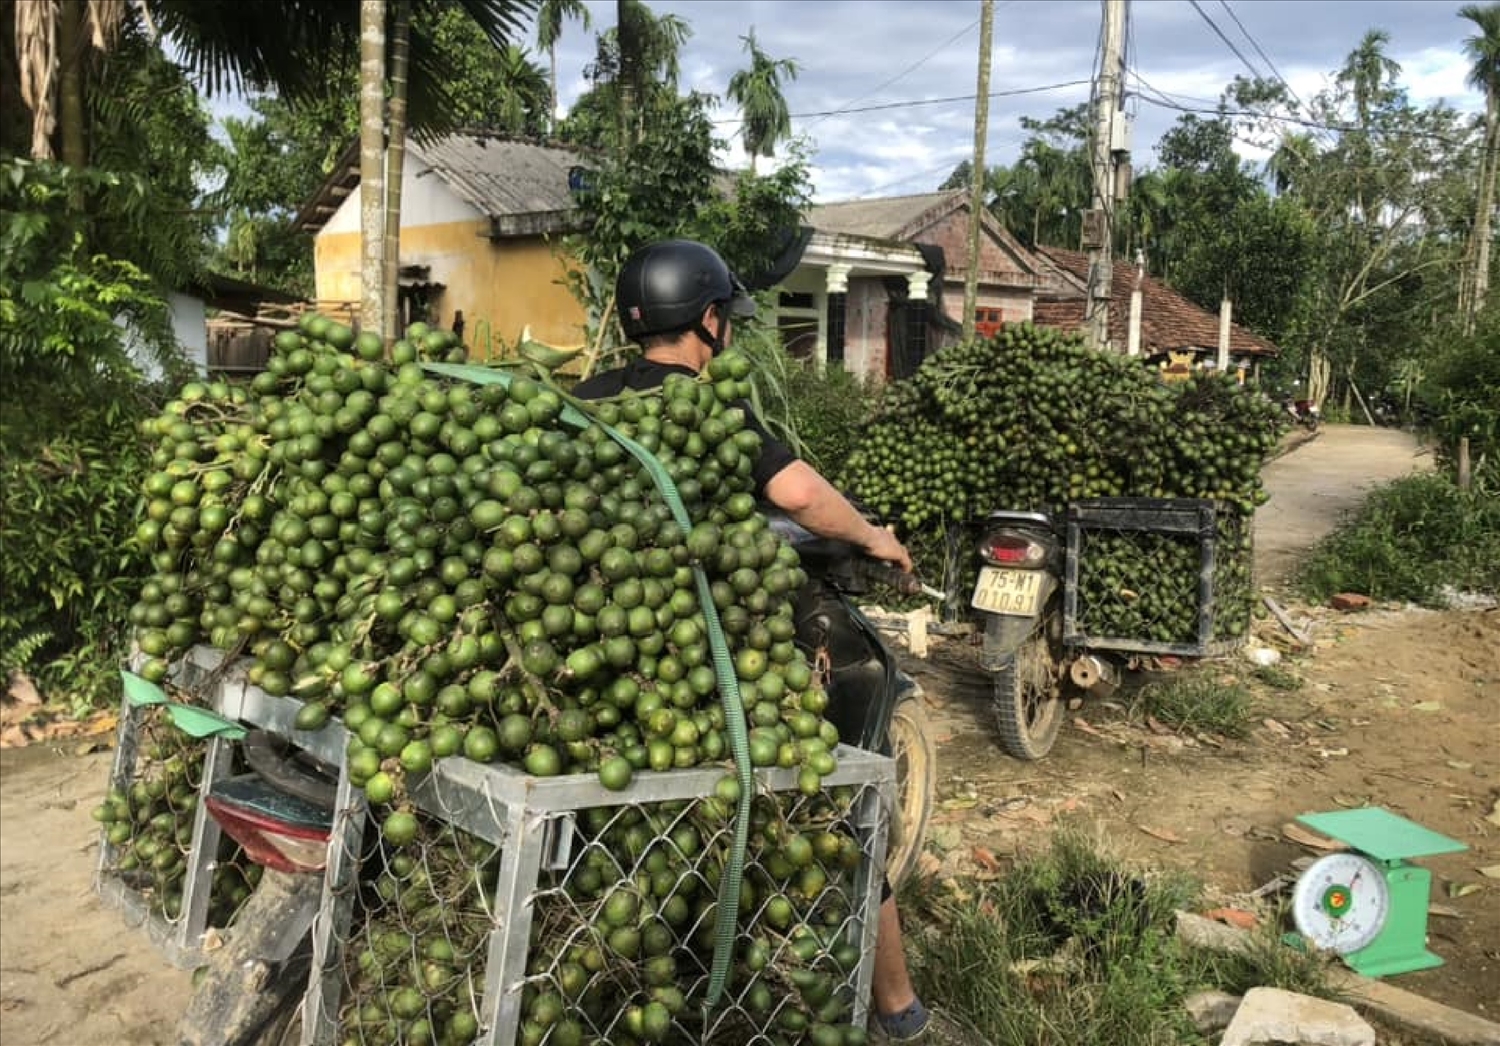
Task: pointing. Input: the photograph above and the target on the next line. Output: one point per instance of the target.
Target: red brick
(1349, 601)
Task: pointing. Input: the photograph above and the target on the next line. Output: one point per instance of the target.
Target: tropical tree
(522, 93)
(765, 119)
(633, 75)
(549, 23)
(1483, 50)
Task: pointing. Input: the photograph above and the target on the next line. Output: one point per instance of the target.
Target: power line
(1227, 42)
(1165, 101)
(1265, 57)
(909, 69)
(925, 101)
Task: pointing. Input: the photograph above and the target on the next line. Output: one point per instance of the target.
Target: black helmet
(665, 287)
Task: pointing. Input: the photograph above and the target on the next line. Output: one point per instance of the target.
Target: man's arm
(800, 492)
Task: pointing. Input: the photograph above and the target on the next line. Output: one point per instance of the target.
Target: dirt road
(1398, 709)
(1319, 481)
(71, 972)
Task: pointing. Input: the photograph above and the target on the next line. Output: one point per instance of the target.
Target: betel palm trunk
(371, 161)
(395, 165)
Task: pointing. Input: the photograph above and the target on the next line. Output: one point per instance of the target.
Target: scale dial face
(1341, 902)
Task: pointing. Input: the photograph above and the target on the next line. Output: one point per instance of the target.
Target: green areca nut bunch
(1032, 419)
(453, 570)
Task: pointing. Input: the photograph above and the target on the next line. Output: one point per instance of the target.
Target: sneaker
(940, 1030)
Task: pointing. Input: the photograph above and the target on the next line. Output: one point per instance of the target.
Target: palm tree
(1483, 49)
(549, 20)
(1367, 71)
(526, 92)
(757, 91)
(371, 161)
(285, 46)
(640, 56)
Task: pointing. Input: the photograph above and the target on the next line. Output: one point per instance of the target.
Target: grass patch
(1278, 678)
(1071, 946)
(1194, 702)
(1408, 540)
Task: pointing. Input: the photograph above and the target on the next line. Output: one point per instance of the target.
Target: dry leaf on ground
(1236, 917)
(1161, 833)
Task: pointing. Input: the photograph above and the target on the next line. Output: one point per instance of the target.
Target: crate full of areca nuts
(502, 908)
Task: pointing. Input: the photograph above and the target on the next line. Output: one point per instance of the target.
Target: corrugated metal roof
(500, 177)
(883, 219)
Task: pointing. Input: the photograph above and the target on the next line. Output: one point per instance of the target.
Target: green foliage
(1198, 703)
(70, 456)
(71, 462)
(819, 410)
(1409, 540)
(666, 185)
(1461, 393)
(59, 305)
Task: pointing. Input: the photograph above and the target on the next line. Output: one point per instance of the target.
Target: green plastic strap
(729, 685)
(193, 721)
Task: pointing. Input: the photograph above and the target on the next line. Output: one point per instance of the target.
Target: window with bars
(835, 325)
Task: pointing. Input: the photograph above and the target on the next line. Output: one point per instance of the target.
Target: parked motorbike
(281, 813)
(1305, 413)
(1018, 599)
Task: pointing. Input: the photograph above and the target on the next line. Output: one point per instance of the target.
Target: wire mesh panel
(162, 860)
(1157, 576)
(511, 909)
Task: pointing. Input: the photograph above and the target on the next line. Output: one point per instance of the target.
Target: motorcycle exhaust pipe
(1095, 676)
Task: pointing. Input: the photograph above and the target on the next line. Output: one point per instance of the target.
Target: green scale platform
(1368, 903)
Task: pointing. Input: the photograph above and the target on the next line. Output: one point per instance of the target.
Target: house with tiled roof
(881, 282)
(1169, 327)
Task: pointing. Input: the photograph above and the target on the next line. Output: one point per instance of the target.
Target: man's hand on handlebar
(882, 544)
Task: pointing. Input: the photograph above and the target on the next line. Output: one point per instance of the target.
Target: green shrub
(71, 454)
(70, 472)
(821, 411)
(1409, 540)
(1070, 946)
(1460, 393)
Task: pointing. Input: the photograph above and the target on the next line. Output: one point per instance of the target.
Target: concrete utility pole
(977, 175)
(1109, 127)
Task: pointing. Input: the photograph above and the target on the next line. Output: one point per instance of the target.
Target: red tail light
(1012, 550)
(275, 844)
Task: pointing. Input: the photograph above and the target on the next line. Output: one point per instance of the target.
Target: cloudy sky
(867, 64)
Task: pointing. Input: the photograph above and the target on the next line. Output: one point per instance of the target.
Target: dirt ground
(1396, 707)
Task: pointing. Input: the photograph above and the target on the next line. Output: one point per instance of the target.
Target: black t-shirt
(641, 374)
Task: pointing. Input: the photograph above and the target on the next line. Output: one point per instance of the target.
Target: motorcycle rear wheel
(916, 784)
(1028, 699)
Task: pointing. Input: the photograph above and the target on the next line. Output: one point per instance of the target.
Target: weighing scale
(1367, 904)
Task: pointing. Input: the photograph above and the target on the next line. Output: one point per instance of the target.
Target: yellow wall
(501, 287)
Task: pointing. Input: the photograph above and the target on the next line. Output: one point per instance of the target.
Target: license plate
(1008, 591)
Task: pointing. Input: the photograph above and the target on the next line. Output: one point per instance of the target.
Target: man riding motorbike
(677, 299)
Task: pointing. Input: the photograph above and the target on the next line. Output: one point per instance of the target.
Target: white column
(1225, 310)
(1133, 334)
(837, 279)
(916, 285)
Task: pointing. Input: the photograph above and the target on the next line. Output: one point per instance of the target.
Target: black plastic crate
(1157, 576)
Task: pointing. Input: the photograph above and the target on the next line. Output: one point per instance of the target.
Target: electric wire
(1227, 42)
(914, 103)
(847, 106)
